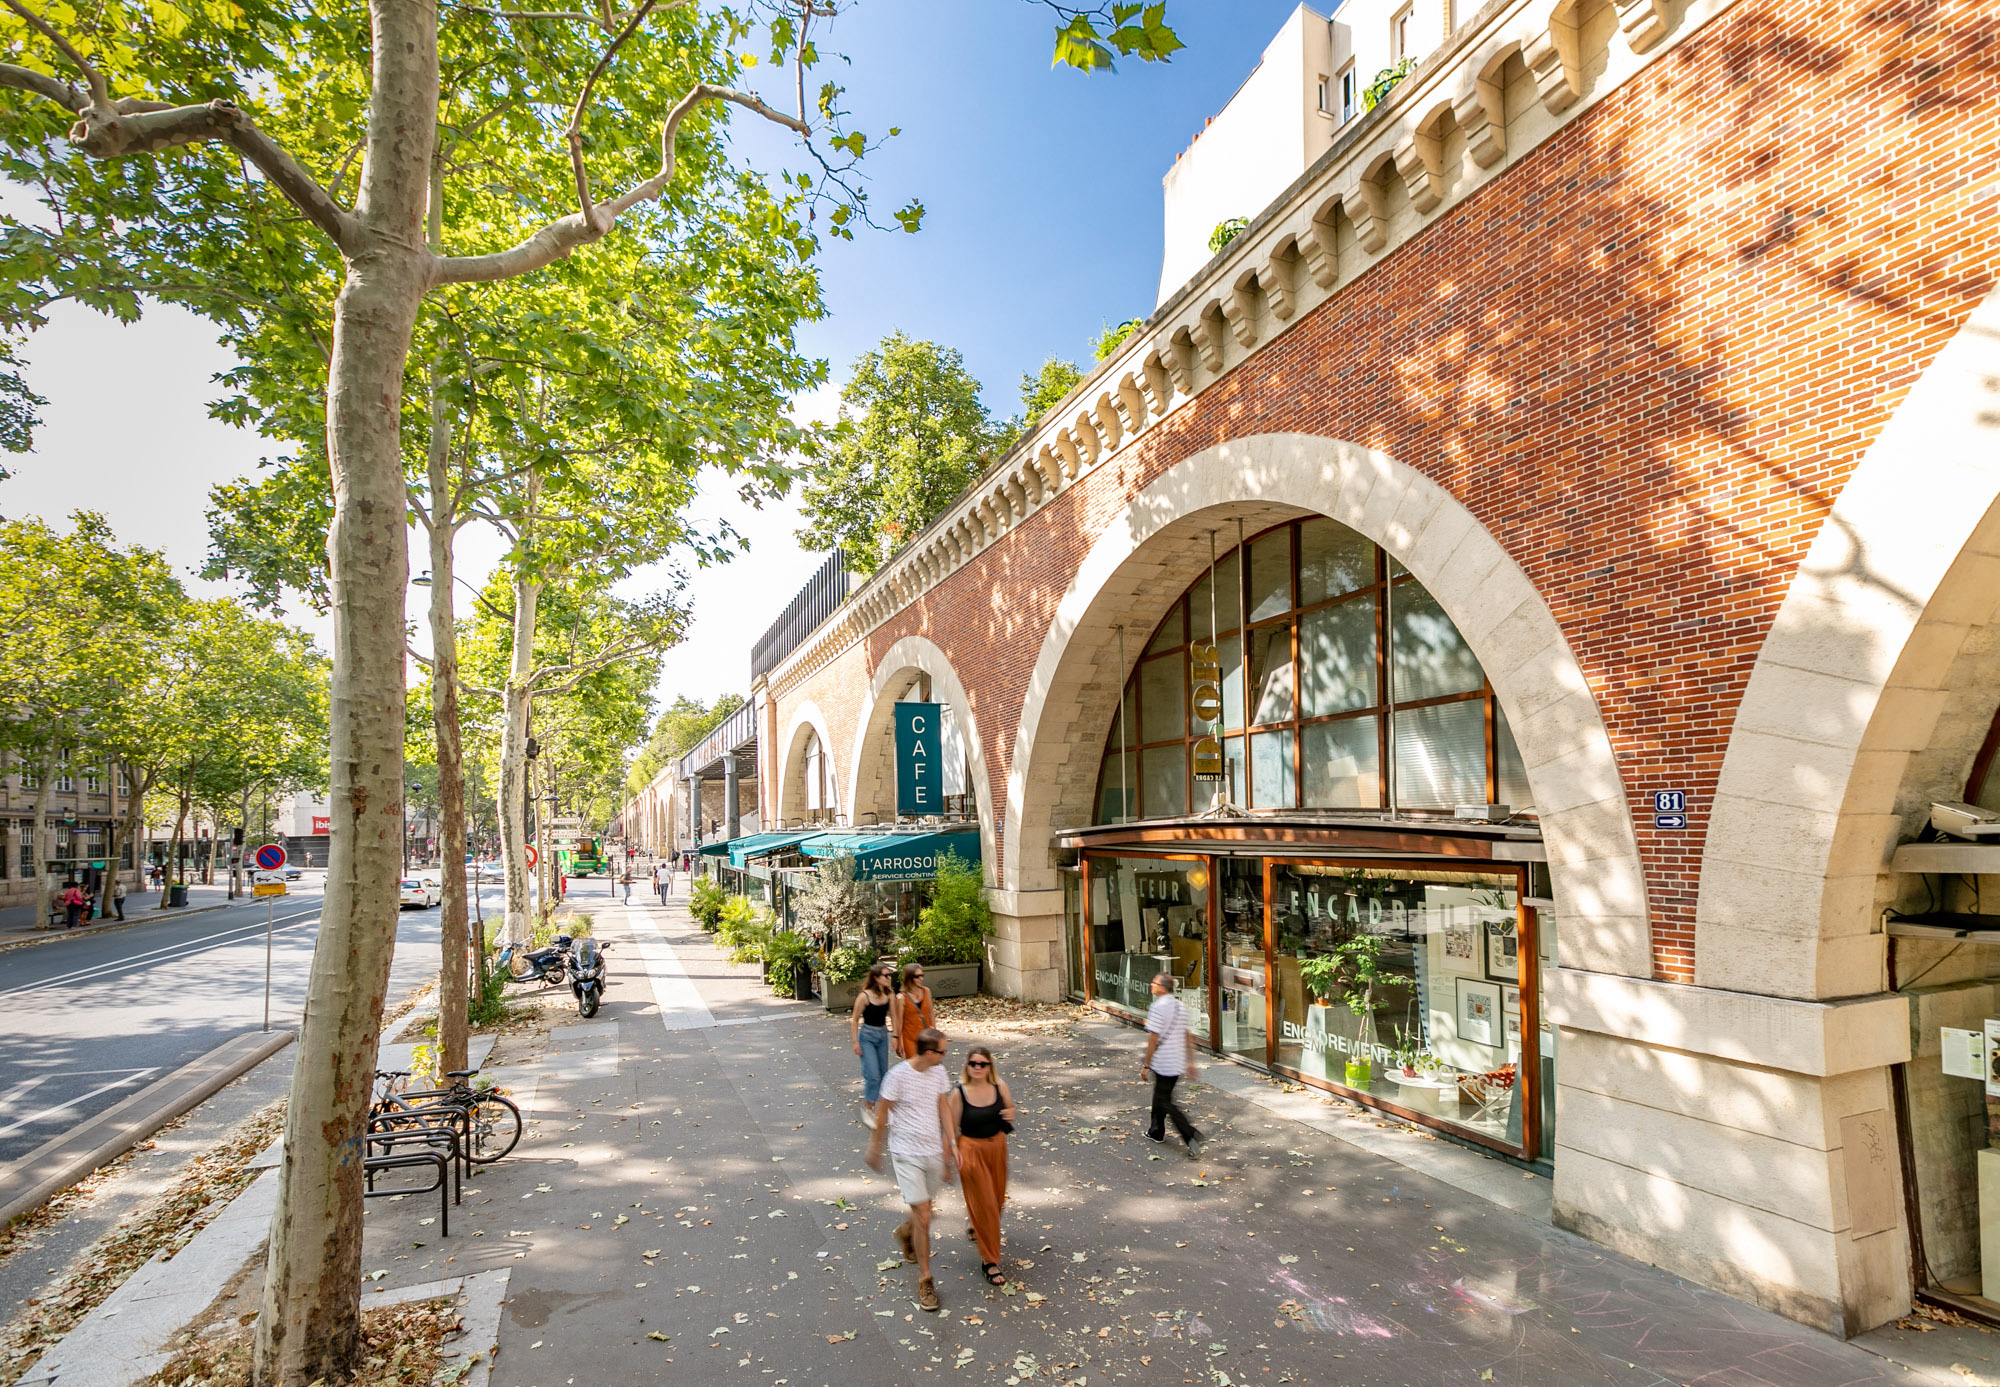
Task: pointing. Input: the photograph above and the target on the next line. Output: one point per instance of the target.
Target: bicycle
(489, 1119)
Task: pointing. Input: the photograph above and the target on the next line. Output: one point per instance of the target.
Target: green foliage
(1320, 975)
(849, 963)
(836, 904)
(706, 901)
(954, 926)
(681, 724)
(744, 929)
(1088, 35)
(784, 953)
(488, 1005)
(1360, 957)
(1045, 387)
(912, 435)
(1385, 82)
(1112, 338)
(1226, 231)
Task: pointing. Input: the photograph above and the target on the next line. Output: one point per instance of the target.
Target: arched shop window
(1355, 674)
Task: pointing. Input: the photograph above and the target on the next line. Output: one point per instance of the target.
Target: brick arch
(791, 798)
(873, 777)
(1150, 547)
(1848, 688)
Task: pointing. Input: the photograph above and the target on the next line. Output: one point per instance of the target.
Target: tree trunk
(173, 872)
(453, 964)
(309, 1322)
(44, 775)
(516, 781)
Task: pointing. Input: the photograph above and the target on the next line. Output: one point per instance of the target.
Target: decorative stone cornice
(1321, 235)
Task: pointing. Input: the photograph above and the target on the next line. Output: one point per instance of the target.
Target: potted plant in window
(1361, 957)
(1320, 976)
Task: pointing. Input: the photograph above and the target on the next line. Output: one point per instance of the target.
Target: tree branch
(559, 238)
(100, 94)
(40, 84)
(575, 131)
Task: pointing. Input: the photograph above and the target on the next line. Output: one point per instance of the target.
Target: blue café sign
(919, 759)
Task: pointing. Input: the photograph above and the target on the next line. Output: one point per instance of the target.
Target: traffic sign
(268, 888)
(270, 857)
(533, 856)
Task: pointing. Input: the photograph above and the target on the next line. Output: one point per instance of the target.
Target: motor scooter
(547, 966)
(587, 975)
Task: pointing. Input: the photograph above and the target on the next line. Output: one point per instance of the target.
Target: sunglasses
(979, 1064)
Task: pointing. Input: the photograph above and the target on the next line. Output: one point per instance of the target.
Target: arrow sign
(270, 857)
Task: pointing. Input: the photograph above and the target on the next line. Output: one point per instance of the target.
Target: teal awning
(741, 850)
(893, 856)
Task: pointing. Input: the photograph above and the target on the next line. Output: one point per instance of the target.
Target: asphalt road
(86, 1021)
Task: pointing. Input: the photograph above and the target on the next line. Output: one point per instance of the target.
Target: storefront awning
(750, 844)
(893, 856)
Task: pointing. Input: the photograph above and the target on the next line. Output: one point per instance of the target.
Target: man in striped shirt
(1169, 1059)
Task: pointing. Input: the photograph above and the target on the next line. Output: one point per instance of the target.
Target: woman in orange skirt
(982, 1112)
(915, 1010)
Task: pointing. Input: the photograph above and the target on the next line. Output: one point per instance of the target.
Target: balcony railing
(816, 601)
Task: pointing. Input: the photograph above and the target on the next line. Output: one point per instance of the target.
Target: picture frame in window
(1477, 1018)
(1501, 945)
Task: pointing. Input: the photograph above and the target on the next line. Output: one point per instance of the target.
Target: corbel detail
(1239, 307)
(1206, 334)
(1072, 459)
(1482, 115)
(1644, 23)
(1087, 443)
(1363, 205)
(1133, 400)
(1316, 247)
(1555, 64)
(1159, 383)
(1422, 167)
(1109, 424)
(1179, 358)
(1276, 279)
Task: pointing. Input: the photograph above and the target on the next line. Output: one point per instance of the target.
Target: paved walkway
(690, 1200)
(17, 922)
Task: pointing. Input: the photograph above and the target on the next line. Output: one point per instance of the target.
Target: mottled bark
(516, 780)
(455, 955)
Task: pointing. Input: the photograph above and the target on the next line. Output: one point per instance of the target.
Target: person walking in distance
(1169, 1059)
(869, 1025)
(118, 897)
(663, 881)
(982, 1114)
(625, 880)
(916, 1010)
(913, 1113)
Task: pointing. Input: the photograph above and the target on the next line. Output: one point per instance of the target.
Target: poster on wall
(1458, 934)
(1503, 951)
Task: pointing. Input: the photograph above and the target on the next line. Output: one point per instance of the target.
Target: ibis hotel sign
(919, 754)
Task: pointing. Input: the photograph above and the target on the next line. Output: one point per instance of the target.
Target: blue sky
(1044, 223)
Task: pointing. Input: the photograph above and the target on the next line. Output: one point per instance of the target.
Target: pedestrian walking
(915, 1010)
(118, 898)
(72, 903)
(912, 1115)
(1169, 1059)
(663, 882)
(869, 1024)
(982, 1114)
(625, 880)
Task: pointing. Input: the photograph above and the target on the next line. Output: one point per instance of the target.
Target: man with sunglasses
(911, 1112)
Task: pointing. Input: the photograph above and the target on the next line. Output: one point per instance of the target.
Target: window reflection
(1149, 916)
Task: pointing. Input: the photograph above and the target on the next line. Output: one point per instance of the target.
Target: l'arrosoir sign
(919, 756)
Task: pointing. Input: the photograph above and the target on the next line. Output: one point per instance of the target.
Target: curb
(154, 916)
(60, 1162)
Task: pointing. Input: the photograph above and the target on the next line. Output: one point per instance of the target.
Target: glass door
(1242, 965)
(1148, 915)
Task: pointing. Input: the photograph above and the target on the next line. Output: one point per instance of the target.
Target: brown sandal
(927, 1296)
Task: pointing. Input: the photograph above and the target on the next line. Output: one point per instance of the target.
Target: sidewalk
(17, 922)
(698, 1123)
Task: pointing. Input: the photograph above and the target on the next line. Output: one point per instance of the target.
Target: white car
(419, 892)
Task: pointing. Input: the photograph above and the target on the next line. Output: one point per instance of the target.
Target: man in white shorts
(911, 1113)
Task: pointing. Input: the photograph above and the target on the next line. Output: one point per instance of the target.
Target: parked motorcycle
(548, 966)
(587, 975)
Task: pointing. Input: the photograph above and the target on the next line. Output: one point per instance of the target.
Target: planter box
(839, 995)
(950, 979)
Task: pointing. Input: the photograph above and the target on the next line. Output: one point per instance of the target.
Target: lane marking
(7, 1098)
(681, 1006)
(61, 1108)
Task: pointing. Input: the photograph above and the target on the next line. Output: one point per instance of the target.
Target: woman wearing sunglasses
(982, 1112)
(916, 1010)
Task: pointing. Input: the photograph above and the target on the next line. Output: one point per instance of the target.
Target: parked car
(419, 892)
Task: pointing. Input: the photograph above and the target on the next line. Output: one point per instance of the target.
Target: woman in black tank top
(869, 1024)
(982, 1110)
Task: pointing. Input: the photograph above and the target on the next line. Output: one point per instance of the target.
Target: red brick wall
(1647, 359)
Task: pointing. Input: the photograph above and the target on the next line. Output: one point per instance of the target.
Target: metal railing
(736, 731)
(817, 600)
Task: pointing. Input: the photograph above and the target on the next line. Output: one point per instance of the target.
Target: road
(86, 1021)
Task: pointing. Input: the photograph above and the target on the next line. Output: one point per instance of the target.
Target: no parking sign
(270, 857)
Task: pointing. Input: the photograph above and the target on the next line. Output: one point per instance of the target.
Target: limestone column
(732, 809)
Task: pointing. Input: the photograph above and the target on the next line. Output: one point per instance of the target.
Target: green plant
(1362, 957)
(784, 952)
(836, 904)
(744, 930)
(489, 1006)
(954, 926)
(849, 963)
(1112, 338)
(1320, 975)
(1226, 230)
(1385, 82)
(705, 903)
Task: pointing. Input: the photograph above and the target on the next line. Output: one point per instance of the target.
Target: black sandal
(993, 1274)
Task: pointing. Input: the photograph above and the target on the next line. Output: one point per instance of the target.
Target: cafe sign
(1205, 675)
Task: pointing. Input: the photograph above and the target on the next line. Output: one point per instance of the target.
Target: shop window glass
(1343, 764)
(1118, 797)
(1271, 679)
(1072, 881)
(1230, 649)
(1437, 1030)
(1228, 599)
(1163, 781)
(1511, 773)
(1332, 560)
(1271, 781)
(1232, 758)
(1271, 574)
(1441, 755)
(1170, 634)
(1149, 916)
(1242, 977)
(1432, 659)
(1162, 699)
(1337, 658)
